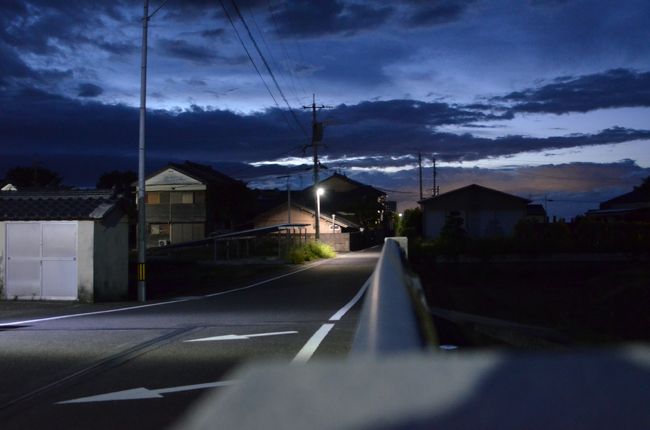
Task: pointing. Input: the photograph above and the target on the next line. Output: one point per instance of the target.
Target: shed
(63, 245)
(485, 212)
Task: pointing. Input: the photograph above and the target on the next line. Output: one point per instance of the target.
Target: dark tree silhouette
(120, 180)
(33, 177)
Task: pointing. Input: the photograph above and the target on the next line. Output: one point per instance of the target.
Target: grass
(310, 251)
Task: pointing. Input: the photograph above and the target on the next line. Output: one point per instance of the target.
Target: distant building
(303, 215)
(485, 212)
(63, 245)
(188, 201)
(628, 207)
(536, 213)
(362, 204)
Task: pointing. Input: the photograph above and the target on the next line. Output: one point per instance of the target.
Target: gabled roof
(535, 210)
(355, 184)
(474, 188)
(638, 195)
(339, 220)
(57, 205)
(201, 172)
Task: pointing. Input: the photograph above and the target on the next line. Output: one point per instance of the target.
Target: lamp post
(319, 192)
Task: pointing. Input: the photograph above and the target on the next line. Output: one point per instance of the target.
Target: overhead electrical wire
(268, 68)
(241, 41)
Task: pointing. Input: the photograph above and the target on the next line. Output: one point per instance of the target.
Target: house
(629, 207)
(302, 215)
(536, 213)
(188, 201)
(485, 212)
(63, 245)
(306, 218)
(362, 204)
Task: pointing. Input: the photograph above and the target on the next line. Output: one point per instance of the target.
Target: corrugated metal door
(42, 260)
(59, 260)
(23, 259)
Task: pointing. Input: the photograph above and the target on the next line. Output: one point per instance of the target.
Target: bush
(310, 251)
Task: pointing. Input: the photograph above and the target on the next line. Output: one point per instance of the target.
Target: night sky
(541, 98)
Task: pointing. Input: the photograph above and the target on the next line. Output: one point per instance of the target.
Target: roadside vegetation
(310, 251)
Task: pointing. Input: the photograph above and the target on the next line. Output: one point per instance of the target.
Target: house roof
(57, 205)
(339, 220)
(535, 210)
(476, 188)
(638, 195)
(355, 184)
(201, 172)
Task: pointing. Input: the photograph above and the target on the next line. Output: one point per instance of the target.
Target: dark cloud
(195, 53)
(390, 128)
(307, 18)
(612, 89)
(427, 13)
(89, 90)
(216, 33)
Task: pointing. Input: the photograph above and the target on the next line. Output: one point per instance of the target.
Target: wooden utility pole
(436, 188)
(420, 170)
(316, 138)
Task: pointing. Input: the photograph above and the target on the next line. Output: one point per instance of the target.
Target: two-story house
(188, 201)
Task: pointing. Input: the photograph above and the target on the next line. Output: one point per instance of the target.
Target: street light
(319, 192)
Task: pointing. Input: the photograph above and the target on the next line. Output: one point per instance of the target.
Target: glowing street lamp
(319, 192)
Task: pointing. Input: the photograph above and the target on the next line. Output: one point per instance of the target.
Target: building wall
(298, 216)
(477, 223)
(2, 259)
(339, 241)
(111, 268)
(102, 260)
(86, 261)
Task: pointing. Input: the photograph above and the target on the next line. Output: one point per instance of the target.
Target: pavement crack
(99, 366)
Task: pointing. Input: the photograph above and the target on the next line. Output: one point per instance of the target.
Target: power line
(293, 76)
(241, 41)
(268, 68)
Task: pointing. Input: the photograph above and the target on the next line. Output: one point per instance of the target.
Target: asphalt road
(143, 367)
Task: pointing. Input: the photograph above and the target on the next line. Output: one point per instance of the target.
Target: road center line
(312, 344)
(169, 302)
(315, 340)
(339, 314)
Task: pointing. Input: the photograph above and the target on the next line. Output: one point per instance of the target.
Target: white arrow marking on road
(144, 393)
(240, 336)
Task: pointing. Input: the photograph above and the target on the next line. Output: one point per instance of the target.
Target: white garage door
(42, 260)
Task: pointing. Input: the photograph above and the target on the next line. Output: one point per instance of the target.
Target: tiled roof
(56, 205)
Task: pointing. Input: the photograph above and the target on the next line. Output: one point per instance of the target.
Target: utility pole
(142, 224)
(316, 138)
(436, 189)
(420, 170)
(288, 177)
(142, 220)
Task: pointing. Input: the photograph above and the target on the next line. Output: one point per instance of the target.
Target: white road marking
(143, 393)
(312, 344)
(240, 336)
(169, 302)
(339, 314)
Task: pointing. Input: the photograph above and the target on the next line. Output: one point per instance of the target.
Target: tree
(411, 223)
(33, 177)
(120, 180)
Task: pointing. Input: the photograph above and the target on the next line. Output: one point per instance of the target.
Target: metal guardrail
(394, 317)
